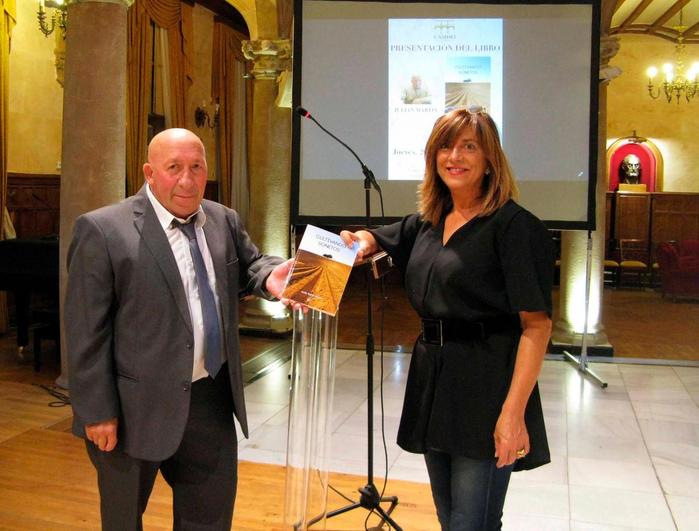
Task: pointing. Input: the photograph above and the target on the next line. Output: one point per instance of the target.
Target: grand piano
(27, 267)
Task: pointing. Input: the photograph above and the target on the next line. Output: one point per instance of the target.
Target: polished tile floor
(625, 457)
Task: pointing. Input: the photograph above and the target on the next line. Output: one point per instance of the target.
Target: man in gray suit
(151, 322)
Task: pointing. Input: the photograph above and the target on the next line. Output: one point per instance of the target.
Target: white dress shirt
(180, 249)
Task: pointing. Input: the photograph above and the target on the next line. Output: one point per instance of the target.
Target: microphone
(303, 112)
(368, 174)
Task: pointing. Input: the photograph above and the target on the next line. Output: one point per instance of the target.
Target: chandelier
(58, 18)
(675, 84)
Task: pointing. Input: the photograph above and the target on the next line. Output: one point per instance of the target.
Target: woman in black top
(478, 270)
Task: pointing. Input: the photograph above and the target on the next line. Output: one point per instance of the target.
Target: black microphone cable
(62, 398)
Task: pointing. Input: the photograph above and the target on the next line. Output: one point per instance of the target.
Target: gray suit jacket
(128, 329)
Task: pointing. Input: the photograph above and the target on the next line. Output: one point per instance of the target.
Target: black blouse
(494, 266)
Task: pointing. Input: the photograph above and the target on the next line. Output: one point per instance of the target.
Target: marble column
(269, 161)
(94, 119)
(269, 148)
(568, 328)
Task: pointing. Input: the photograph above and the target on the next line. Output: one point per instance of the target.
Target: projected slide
(437, 65)
(379, 73)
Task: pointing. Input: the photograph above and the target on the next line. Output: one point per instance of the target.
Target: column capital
(269, 57)
(609, 46)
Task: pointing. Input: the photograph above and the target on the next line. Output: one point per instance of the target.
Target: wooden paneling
(652, 217)
(675, 217)
(632, 216)
(33, 202)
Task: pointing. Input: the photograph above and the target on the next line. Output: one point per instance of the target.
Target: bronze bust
(630, 170)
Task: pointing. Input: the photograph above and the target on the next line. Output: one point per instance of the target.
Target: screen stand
(581, 362)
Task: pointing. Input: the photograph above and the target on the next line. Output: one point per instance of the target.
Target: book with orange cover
(321, 269)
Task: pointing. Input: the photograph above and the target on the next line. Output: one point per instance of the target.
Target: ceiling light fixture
(676, 84)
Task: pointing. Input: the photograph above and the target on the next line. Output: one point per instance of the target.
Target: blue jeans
(469, 493)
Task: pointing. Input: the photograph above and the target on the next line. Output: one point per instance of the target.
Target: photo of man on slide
(416, 93)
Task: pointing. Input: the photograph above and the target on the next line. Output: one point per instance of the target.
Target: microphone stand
(370, 498)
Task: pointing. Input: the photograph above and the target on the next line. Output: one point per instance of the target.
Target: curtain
(240, 192)
(139, 72)
(176, 18)
(163, 52)
(8, 18)
(228, 88)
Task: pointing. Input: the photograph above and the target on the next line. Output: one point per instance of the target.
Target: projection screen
(378, 74)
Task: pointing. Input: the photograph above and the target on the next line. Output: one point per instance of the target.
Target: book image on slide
(463, 95)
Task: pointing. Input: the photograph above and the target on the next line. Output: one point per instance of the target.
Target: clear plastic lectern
(310, 418)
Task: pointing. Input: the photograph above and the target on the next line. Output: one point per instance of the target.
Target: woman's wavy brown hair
(434, 199)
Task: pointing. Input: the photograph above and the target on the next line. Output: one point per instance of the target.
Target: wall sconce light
(58, 18)
(202, 118)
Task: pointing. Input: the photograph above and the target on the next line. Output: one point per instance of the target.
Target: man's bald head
(168, 136)
(176, 170)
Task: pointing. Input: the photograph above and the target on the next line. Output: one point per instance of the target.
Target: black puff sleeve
(527, 258)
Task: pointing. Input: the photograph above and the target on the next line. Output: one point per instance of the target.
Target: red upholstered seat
(689, 248)
(689, 253)
(679, 269)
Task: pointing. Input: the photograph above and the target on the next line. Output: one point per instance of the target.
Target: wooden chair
(633, 254)
(611, 272)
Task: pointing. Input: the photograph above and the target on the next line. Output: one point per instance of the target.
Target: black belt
(439, 331)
